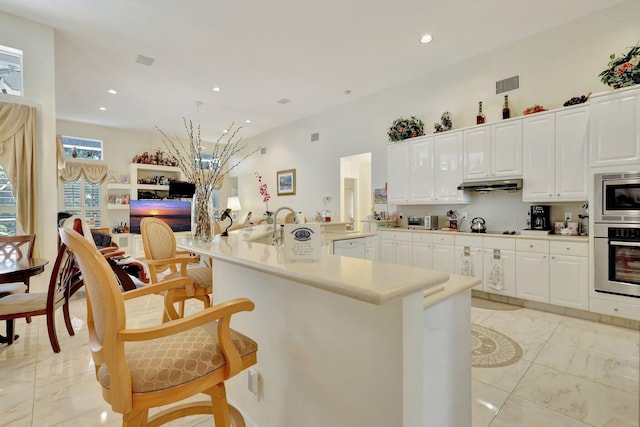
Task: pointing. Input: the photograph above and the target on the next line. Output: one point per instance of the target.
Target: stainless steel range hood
(493, 185)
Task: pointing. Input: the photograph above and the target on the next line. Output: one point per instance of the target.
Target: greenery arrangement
(405, 128)
(623, 70)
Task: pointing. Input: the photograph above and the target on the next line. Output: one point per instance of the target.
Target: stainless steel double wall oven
(617, 233)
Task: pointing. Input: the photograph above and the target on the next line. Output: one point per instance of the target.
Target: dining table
(19, 270)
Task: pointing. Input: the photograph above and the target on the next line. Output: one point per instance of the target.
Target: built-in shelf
(118, 206)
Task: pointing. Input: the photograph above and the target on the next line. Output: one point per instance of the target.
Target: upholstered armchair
(139, 369)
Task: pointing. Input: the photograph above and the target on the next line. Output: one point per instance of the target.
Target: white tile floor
(573, 373)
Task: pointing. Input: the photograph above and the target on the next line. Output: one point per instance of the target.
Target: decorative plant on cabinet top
(405, 128)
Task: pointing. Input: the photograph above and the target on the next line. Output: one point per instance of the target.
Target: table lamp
(233, 203)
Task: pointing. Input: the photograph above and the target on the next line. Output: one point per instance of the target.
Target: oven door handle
(635, 245)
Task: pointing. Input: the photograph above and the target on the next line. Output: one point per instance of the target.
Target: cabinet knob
(550, 195)
(568, 249)
(553, 257)
(558, 194)
(530, 246)
(615, 309)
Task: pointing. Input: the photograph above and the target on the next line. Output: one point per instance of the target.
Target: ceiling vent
(283, 101)
(511, 83)
(315, 137)
(144, 60)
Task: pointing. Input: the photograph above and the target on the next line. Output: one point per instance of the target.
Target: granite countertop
(364, 280)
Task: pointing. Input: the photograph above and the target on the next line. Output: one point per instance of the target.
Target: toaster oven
(429, 222)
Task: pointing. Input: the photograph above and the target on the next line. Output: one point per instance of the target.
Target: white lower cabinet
(468, 257)
(444, 253)
(499, 266)
(532, 270)
(422, 250)
(395, 247)
(568, 278)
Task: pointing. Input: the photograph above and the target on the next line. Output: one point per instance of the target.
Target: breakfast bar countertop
(364, 280)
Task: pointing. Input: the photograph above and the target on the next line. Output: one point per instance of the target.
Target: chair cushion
(167, 362)
(202, 276)
(12, 288)
(24, 303)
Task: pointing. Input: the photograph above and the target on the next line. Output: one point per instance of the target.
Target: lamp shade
(233, 203)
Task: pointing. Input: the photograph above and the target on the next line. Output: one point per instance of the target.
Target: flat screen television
(181, 189)
(176, 213)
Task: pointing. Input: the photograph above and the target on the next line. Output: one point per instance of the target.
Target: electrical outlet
(253, 382)
(326, 199)
(568, 216)
(464, 215)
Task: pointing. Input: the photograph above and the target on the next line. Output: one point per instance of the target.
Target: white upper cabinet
(506, 149)
(398, 173)
(425, 170)
(538, 141)
(555, 155)
(615, 129)
(448, 166)
(421, 152)
(493, 151)
(572, 142)
(477, 152)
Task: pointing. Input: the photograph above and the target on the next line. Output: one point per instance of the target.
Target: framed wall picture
(286, 180)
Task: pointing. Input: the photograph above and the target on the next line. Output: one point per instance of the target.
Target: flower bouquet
(405, 128)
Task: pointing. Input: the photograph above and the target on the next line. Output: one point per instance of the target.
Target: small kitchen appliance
(478, 225)
(540, 217)
(428, 222)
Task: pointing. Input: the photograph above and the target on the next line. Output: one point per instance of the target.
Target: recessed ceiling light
(215, 89)
(112, 91)
(102, 108)
(247, 121)
(225, 131)
(426, 39)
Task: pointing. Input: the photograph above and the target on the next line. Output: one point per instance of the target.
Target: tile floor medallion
(491, 349)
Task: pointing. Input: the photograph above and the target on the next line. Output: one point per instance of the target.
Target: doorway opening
(355, 189)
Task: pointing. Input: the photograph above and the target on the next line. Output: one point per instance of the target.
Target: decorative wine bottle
(480, 116)
(506, 112)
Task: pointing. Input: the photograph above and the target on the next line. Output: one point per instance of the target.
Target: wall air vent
(263, 150)
(144, 60)
(507, 84)
(315, 137)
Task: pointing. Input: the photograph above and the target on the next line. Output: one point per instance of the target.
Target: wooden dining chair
(162, 256)
(20, 305)
(140, 369)
(16, 247)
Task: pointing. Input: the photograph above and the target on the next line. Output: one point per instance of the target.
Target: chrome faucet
(275, 221)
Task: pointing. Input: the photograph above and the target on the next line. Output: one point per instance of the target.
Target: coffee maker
(540, 217)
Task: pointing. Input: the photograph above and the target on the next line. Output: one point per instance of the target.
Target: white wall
(553, 66)
(36, 42)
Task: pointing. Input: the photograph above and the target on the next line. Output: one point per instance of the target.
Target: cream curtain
(94, 171)
(17, 156)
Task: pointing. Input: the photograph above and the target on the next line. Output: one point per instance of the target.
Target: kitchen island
(345, 341)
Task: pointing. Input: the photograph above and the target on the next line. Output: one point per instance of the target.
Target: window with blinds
(7, 206)
(82, 197)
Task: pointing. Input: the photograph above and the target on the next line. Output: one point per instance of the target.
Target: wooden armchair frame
(106, 322)
(161, 255)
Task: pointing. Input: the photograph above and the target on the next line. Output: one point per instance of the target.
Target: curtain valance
(94, 171)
